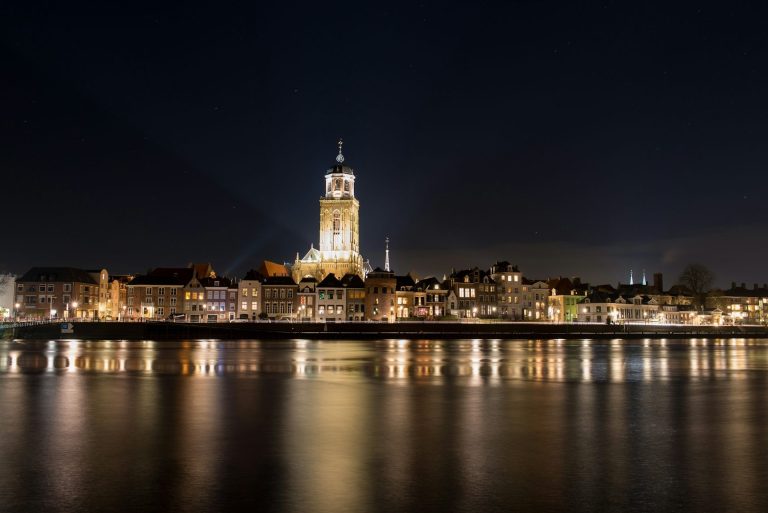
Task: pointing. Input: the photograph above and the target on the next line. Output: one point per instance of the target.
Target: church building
(339, 248)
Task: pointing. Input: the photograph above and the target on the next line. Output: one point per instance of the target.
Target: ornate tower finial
(386, 254)
(340, 157)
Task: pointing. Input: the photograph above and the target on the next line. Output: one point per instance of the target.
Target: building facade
(404, 296)
(307, 299)
(535, 300)
(741, 305)
(355, 290)
(464, 285)
(435, 298)
(380, 295)
(509, 284)
(220, 298)
(249, 296)
(280, 297)
(57, 293)
(158, 294)
(117, 304)
(331, 297)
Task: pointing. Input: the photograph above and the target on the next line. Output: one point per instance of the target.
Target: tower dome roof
(339, 167)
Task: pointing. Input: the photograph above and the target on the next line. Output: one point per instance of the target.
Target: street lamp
(16, 312)
(74, 309)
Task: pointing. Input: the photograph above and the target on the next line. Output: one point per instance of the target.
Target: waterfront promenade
(364, 330)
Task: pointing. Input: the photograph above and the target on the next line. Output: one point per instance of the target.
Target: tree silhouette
(698, 279)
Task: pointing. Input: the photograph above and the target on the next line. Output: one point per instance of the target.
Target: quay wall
(364, 330)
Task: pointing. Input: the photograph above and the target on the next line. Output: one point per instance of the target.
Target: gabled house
(430, 300)
(331, 297)
(249, 296)
(355, 293)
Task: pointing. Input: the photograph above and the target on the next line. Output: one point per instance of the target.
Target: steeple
(340, 156)
(631, 280)
(386, 254)
(644, 282)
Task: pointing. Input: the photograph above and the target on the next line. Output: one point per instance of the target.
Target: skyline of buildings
(333, 283)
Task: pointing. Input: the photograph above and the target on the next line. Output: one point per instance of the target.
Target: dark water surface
(326, 426)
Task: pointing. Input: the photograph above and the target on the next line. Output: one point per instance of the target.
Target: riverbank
(406, 330)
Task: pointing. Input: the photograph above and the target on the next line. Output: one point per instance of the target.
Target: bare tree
(698, 279)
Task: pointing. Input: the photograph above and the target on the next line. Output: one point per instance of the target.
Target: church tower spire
(631, 280)
(386, 254)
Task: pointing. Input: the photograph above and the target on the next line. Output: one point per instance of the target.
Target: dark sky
(570, 139)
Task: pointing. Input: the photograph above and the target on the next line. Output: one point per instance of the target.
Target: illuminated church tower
(339, 251)
(339, 226)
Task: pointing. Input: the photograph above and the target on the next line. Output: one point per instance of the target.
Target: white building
(249, 296)
(605, 309)
(7, 287)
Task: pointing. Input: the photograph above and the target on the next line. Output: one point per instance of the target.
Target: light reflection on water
(384, 426)
(475, 362)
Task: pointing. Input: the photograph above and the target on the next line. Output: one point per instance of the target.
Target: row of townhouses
(195, 293)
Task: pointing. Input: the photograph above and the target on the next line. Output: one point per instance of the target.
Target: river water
(384, 426)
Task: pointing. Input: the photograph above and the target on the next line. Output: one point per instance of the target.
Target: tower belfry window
(338, 184)
(346, 186)
(336, 222)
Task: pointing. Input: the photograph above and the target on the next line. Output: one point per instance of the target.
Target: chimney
(733, 284)
(743, 285)
(658, 282)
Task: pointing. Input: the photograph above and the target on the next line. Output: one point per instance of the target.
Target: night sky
(569, 139)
